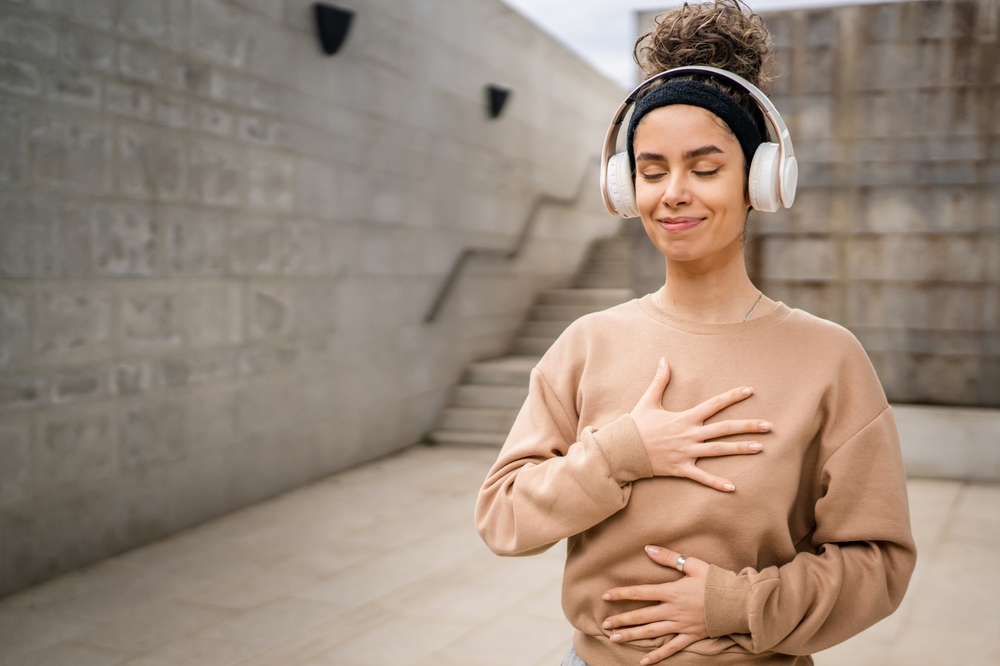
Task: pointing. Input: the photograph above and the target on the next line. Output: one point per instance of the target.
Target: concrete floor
(382, 565)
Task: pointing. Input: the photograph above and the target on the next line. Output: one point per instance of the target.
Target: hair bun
(722, 33)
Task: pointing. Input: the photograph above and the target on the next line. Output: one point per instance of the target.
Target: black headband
(696, 93)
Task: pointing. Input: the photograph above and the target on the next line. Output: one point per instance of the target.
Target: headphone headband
(777, 131)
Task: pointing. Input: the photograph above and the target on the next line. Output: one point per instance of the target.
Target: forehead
(682, 126)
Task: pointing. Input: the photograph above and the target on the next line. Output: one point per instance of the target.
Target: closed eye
(707, 173)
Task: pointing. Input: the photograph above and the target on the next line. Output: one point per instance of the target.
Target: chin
(680, 251)
(698, 249)
(683, 256)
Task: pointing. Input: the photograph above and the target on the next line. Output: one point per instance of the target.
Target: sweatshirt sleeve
(859, 562)
(547, 484)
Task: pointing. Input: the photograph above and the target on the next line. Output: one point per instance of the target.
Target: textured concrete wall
(217, 245)
(971, 437)
(895, 113)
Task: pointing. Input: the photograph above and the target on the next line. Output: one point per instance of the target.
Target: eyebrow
(650, 157)
(701, 152)
(689, 155)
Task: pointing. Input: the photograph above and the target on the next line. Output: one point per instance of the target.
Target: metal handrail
(466, 254)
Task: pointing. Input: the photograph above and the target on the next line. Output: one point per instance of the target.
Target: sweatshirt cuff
(727, 598)
(622, 447)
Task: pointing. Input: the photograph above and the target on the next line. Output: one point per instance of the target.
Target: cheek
(647, 196)
(731, 197)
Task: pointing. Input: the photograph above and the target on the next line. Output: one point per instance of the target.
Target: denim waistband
(571, 658)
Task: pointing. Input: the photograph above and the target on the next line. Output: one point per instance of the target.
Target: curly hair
(722, 33)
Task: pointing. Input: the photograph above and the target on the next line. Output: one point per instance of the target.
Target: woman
(748, 506)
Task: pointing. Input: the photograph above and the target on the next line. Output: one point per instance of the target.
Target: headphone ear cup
(763, 181)
(621, 189)
(789, 182)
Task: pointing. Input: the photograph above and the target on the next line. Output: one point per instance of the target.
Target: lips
(679, 223)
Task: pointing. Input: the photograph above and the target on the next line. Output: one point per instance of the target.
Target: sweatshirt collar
(648, 305)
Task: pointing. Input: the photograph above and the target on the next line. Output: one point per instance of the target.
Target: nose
(676, 192)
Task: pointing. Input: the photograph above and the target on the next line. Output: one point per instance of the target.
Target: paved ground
(381, 565)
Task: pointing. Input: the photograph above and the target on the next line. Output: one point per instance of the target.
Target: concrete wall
(217, 245)
(895, 114)
(950, 442)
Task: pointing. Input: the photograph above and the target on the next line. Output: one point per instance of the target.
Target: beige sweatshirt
(812, 547)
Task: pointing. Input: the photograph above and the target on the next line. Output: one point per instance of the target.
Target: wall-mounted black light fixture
(332, 24)
(496, 97)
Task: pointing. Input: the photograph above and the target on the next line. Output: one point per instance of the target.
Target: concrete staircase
(486, 403)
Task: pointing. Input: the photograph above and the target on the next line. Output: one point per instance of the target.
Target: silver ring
(680, 563)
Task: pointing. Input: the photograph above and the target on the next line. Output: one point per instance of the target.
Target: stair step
(477, 418)
(602, 255)
(602, 297)
(532, 345)
(487, 395)
(612, 247)
(562, 312)
(604, 281)
(504, 371)
(485, 406)
(469, 437)
(544, 329)
(622, 254)
(606, 267)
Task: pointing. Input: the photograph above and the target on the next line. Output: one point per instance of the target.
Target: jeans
(571, 658)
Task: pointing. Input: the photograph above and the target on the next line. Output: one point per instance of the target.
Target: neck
(712, 290)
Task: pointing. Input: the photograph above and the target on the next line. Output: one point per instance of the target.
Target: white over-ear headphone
(774, 173)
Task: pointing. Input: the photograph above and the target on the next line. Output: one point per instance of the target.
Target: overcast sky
(602, 31)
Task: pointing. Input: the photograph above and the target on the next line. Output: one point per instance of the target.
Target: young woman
(749, 505)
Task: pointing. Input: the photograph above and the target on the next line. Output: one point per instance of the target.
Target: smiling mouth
(679, 223)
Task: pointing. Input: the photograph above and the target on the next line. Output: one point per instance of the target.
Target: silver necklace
(760, 295)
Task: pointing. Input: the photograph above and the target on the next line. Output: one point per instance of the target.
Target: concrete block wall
(217, 245)
(895, 232)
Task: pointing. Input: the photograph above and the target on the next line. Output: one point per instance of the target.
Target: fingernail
(748, 391)
(606, 597)
(756, 446)
(764, 425)
(663, 364)
(652, 550)
(616, 637)
(606, 625)
(730, 487)
(644, 662)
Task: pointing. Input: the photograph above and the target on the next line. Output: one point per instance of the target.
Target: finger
(669, 558)
(720, 402)
(672, 647)
(635, 593)
(725, 428)
(645, 631)
(695, 473)
(664, 556)
(714, 449)
(654, 394)
(645, 615)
